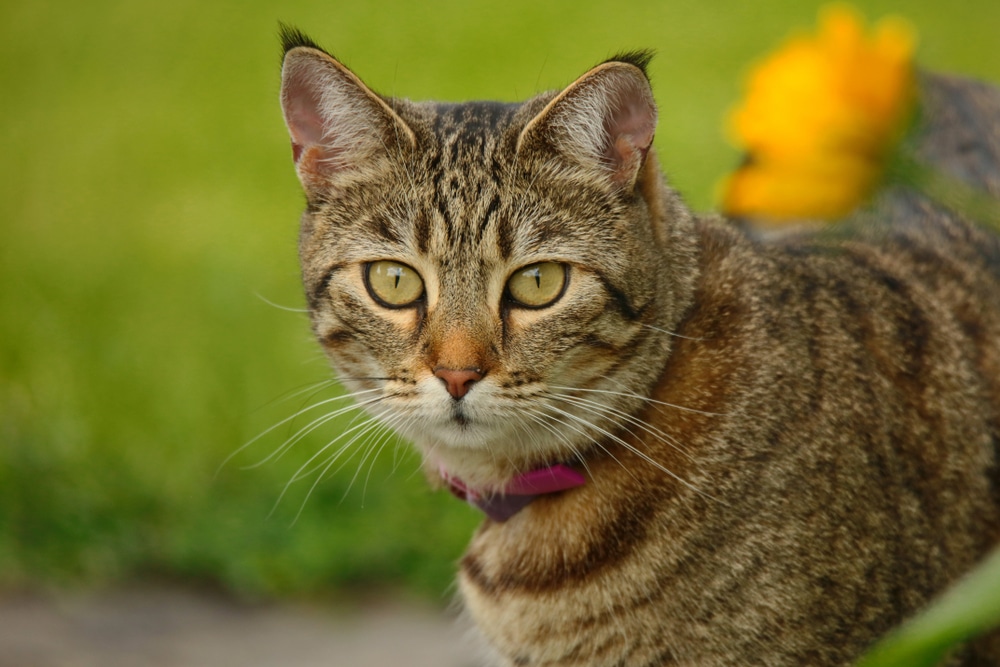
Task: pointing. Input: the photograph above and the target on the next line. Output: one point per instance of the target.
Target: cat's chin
(475, 468)
(480, 455)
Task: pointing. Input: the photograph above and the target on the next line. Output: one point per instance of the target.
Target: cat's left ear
(603, 122)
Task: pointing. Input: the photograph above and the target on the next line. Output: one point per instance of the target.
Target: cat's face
(489, 279)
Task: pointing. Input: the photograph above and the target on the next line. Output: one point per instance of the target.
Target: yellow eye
(537, 285)
(393, 284)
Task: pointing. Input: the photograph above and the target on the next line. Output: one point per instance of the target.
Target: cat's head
(496, 281)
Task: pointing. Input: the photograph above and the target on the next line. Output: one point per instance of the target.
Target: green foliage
(964, 612)
(148, 216)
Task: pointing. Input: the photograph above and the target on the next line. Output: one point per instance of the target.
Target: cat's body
(789, 445)
(818, 549)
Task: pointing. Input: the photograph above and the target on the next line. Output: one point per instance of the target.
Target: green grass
(968, 609)
(148, 214)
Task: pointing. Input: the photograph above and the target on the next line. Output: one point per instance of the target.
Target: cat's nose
(458, 381)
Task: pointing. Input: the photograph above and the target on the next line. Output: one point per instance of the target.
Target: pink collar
(519, 492)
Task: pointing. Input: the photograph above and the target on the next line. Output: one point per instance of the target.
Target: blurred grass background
(148, 215)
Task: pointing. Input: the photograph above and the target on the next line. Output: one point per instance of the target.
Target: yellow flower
(820, 120)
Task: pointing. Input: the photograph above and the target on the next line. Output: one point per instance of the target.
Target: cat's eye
(537, 285)
(392, 284)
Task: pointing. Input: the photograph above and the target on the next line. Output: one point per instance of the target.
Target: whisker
(310, 388)
(613, 412)
(397, 459)
(375, 427)
(540, 418)
(296, 415)
(381, 435)
(643, 398)
(301, 473)
(656, 464)
(278, 306)
(671, 333)
(305, 470)
(588, 435)
(309, 428)
(379, 427)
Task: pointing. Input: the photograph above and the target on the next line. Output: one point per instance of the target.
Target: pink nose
(458, 382)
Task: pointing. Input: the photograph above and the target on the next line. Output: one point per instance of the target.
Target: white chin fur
(482, 452)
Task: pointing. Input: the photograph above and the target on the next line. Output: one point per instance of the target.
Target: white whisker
(670, 333)
(381, 435)
(539, 417)
(616, 439)
(296, 415)
(278, 306)
(305, 470)
(309, 428)
(302, 473)
(643, 398)
(311, 388)
(615, 413)
(586, 434)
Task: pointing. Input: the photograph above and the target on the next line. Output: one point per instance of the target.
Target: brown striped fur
(790, 442)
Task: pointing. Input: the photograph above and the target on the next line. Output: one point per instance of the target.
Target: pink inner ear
(630, 131)
(305, 124)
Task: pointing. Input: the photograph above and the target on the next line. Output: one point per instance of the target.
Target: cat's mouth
(458, 416)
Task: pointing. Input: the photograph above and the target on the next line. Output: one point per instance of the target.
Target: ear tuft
(291, 37)
(640, 58)
(603, 122)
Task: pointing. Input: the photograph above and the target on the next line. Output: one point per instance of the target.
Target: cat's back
(830, 418)
(847, 384)
(913, 282)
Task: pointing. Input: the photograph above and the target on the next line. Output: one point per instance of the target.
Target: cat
(696, 445)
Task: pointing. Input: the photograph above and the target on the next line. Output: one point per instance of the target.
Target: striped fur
(790, 443)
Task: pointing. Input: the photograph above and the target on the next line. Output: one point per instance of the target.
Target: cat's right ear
(340, 129)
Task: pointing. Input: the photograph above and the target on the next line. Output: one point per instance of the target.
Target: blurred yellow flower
(820, 120)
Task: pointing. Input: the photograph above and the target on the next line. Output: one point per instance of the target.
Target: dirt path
(171, 628)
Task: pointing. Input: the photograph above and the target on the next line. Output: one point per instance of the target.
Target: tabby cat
(695, 446)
